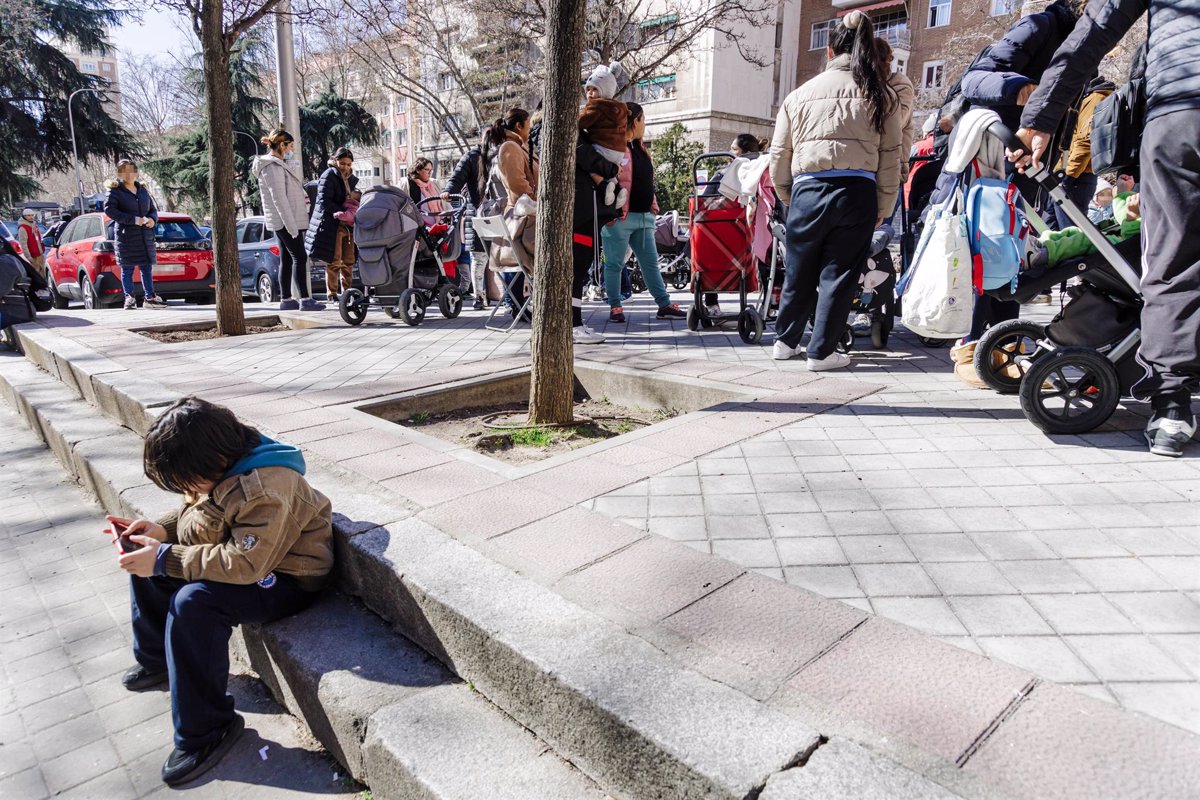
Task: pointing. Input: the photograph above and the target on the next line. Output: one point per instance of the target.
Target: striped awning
(873, 7)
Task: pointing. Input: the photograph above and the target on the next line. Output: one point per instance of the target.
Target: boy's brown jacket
(606, 123)
(266, 520)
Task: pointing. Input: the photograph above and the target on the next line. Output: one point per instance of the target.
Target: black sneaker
(183, 767)
(617, 316)
(479, 306)
(671, 312)
(138, 679)
(1169, 431)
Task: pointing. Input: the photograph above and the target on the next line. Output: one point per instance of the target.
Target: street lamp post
(253, 141)
(74, 148)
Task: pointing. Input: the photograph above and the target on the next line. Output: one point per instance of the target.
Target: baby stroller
(407, 257)
(876, 293)
(23, 293)
(724, 253)
(1072, 373)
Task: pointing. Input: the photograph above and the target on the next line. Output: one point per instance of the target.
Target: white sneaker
(610, 192)
(582, 334)
(713, 310)
(861, 325)
(781, 352)
(622, 197)
(835, 360)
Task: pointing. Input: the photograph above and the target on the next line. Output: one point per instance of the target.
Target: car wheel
(57, 299)
(265, 289)
(90, 299)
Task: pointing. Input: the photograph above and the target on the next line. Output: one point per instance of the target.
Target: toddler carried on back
(606, 123)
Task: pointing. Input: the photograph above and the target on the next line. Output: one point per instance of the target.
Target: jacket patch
(268, 580)
(248, 541)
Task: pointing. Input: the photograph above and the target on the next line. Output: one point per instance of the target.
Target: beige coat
(825, 124)
(905, 93)
(516, 173)
(267, 520)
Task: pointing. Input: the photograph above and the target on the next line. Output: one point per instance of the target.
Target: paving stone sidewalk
(930, 503)
(67, 726)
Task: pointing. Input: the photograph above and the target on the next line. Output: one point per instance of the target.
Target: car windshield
(172, 231)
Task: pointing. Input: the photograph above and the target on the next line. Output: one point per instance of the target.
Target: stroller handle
(1043, 175)
(457, 202)
(725, 155)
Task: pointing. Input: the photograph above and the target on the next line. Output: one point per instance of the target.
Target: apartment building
(105, 67)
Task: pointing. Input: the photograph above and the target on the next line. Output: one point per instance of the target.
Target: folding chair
(494, 231)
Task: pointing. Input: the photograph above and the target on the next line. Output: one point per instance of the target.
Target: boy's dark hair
(194, 441)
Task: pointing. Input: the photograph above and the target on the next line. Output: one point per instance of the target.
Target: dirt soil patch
(502, 432)
(174, 337)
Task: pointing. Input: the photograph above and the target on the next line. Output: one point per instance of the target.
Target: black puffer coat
(134, 243)
(1018, 59)
(322, 228)
(590, 213)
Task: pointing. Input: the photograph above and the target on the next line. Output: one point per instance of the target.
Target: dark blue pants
(184, 628)
(829, 226)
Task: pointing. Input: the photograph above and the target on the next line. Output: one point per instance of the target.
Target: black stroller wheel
(1070, 390)
(412, 307)
(450, 301)
(1004, 351)
(693, 318)
(353, 307)
(750, 326)
(934, 343)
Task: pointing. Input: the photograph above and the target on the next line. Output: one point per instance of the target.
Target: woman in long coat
(332, 192)
(131, 208)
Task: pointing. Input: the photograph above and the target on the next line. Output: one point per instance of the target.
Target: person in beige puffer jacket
(835, 161)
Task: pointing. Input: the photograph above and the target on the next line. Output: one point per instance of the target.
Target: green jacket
(1072, 243)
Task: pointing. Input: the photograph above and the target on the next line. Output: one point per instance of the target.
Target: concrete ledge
(843, 769)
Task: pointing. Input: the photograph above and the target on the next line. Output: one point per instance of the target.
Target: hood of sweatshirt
(269, 453)
(262, 162)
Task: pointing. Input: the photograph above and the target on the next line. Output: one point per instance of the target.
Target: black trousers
(184, 628)
(829, 227)
(583, 252)
(1170, 197)
(293, 264)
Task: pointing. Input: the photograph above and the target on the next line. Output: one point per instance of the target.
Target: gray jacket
(1172, 70)
(285, 203)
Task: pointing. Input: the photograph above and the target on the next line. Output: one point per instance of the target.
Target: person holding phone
(253, 542)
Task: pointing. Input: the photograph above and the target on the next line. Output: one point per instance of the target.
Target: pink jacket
(346, 215)
(625, 179)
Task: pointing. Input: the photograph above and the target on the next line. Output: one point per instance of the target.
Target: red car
(83, 265)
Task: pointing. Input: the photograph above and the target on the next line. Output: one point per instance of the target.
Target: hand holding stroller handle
(1041, 173)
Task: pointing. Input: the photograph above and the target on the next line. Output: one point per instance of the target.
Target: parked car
(84, 264)
(258, 257)
(8, 232)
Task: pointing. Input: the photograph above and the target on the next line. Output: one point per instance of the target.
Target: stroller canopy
(385, 232)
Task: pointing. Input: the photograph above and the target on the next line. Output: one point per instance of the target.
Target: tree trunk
(553, 380)
(231, 319)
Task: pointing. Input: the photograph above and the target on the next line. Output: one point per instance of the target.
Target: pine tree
(37, 81)
(330, 122)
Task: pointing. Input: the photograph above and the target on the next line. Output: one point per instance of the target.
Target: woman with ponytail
(835, 161)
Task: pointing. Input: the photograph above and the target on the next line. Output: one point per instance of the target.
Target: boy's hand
(140, 562)
(146, 528)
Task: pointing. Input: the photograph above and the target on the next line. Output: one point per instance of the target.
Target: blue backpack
(997, 230)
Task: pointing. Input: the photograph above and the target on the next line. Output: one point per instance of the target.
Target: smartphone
(124, 543)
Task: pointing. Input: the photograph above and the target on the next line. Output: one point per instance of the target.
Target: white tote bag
(939, 295)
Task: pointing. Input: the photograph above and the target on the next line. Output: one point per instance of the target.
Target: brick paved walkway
(67, 727)
(933, 504)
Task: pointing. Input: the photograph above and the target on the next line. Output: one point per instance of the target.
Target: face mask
(288, 156)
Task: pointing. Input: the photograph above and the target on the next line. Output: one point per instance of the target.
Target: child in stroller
(875, 300)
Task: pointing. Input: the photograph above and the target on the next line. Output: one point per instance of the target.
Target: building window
(1002, 8)
(385, 140)
(893, 27)
(820, 34)
(89, 66)
(659, 29)
(939, 13)
(401, 137)
(401, 105)
(900, 65)
(387, 172)
(655, 89)
(446, 81)
(934, 75)
(106, 67)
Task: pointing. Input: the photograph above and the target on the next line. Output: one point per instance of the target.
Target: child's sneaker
(184, 766)
(154, 301)
(308, 304)
(622, 197)
(289, 304)
(671, 311)
(610, 192)
(130, 302)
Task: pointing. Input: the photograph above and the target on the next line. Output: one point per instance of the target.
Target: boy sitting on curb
(253, 542)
